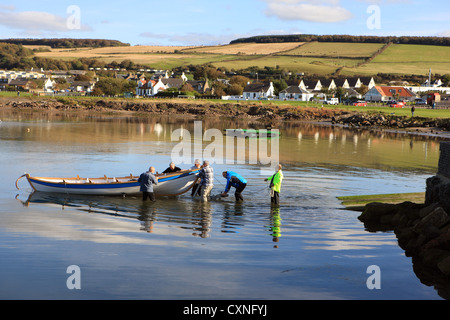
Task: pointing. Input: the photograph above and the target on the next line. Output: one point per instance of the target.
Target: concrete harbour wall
(438, 186)
(444, 160)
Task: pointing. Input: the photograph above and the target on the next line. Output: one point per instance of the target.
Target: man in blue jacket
(235, 180)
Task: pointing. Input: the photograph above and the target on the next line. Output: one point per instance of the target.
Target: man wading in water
(275, 186)
(147, 180)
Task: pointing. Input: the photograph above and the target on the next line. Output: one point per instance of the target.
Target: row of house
(22, 84)
(305, 90)
(151, 87)
(26, 74)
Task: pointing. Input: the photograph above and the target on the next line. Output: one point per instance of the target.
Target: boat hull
(168, 185)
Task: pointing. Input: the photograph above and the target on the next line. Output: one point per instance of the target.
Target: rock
(437, 218)
(440, 242)
(444, 266)
(375, 210)
(433, 256)
(432, 190)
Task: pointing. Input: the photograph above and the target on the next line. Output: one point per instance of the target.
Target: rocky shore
(267, 114)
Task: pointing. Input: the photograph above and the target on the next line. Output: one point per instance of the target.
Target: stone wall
(444, 160)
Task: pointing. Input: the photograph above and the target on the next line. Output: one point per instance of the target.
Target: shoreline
(266, 115)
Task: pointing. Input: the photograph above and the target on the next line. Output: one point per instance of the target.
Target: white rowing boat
(171, 184)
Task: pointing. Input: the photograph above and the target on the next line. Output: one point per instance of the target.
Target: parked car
(420, 102)
(397, 105)
(360, 103)
(332, 101)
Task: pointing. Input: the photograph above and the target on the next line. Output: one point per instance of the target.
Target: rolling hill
(321, 58)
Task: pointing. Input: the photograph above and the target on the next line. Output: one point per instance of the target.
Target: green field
(330, 49)
(321, 58)
(410, 59)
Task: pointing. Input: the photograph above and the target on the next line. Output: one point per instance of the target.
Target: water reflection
(301, 143)
(275, 224)
(187, 214)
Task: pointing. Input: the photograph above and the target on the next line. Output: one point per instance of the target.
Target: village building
(201, 86)
(295, 93)
(20, 84)
(49, 85)
(385, 93)
(82, 86)
(172, 82)
(342, 83)
(148, 88)
(258, 91)
(327, 84)
(311, 85)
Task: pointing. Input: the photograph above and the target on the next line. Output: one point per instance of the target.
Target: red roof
(393, 91)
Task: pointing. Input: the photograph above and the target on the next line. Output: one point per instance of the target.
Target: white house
(258, 91)
(147, 88)
(295, 93)
(82, 86)
(311, 85)
(49, 85)
(369, 82)
(327, 84)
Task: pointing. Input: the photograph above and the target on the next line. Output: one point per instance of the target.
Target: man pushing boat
(235, 180)
(147, 180)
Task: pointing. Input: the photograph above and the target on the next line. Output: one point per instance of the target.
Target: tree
(279, 85)
(239, 80)
(235, 90)
(113, 87)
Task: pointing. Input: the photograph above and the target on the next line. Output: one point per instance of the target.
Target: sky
(212, 22)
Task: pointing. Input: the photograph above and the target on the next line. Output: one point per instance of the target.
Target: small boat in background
(171, 184)
(253, 133)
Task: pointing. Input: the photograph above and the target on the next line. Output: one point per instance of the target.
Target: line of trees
(67, 42)
(437, 41)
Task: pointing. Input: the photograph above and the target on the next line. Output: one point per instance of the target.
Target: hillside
(320, 58)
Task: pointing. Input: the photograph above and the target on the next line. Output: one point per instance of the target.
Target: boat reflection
(185, 212)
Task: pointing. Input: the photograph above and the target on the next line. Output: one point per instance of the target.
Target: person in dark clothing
(235, 180)
(147, 180)
(196, 189)
(171, 168)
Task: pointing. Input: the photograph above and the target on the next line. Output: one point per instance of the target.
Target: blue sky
(207, 22)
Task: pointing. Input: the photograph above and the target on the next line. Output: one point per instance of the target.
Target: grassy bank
(357, 203)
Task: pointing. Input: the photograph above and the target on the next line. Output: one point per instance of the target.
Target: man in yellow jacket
(275, 186)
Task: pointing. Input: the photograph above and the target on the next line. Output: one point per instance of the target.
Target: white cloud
(308, 10)
(35, 22)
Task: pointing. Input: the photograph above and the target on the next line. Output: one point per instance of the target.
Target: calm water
(309, 248)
